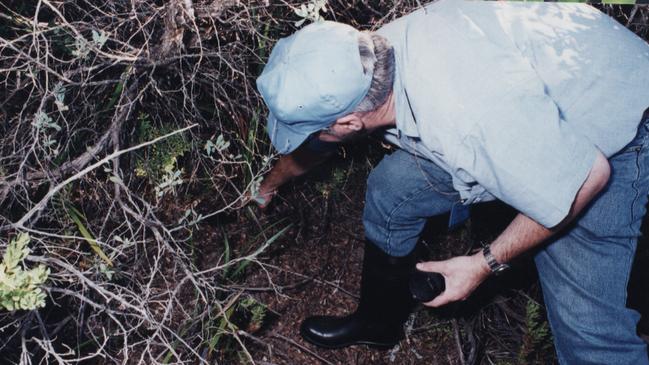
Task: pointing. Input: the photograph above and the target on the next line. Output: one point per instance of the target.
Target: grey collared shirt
(515, 99)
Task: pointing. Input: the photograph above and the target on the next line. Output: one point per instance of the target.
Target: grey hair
(377, 58)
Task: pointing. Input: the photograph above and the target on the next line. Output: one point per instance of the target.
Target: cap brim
(283, 137)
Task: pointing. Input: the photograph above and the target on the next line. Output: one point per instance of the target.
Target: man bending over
(539, 105)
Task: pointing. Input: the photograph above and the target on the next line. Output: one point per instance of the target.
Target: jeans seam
(434, 179)
(640, 150)
(636, 189)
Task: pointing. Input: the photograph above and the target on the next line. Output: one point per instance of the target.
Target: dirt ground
(315, 268)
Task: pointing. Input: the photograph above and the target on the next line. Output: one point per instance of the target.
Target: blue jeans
(584, 270)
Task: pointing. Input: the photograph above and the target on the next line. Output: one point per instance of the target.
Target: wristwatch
(496, 267)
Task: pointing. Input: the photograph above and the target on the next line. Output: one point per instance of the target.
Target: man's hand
(463, 274)
(264, 196)
(288, 167)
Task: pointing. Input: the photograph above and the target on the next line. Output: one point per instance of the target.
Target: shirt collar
(405, 120)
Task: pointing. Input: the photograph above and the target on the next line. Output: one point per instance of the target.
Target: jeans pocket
(634, 148)
(640, 141)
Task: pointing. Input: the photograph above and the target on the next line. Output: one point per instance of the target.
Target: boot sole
(372, 344)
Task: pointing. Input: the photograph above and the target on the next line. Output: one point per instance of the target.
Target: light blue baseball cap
(312, 78)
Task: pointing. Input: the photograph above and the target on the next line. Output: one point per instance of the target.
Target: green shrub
(158, 160)
(18, 286)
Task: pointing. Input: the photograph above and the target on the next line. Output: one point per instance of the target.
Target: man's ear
(350, 121)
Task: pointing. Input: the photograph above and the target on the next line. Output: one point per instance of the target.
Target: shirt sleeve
(525, 154)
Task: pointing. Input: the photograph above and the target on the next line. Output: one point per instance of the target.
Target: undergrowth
(131, 141)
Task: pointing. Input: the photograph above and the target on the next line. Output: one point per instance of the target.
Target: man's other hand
(463, 274)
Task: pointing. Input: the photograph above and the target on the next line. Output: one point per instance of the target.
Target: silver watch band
(496, 267)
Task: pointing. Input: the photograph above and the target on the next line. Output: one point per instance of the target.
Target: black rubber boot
(384, 306)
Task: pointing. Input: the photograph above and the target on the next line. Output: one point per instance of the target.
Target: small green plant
(43, 121)
(19, 288)
(256, 310)
(331, 187)
(311, 11)
(43, 124)
(78, 218)
(170, 180)
(246, 313)
(82, 46)
(159, 161)
(536, 336)
(59, 96)
(219, 145)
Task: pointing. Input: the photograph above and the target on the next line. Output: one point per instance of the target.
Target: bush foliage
(19, 288)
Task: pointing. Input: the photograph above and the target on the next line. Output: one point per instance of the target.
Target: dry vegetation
(131, 136)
